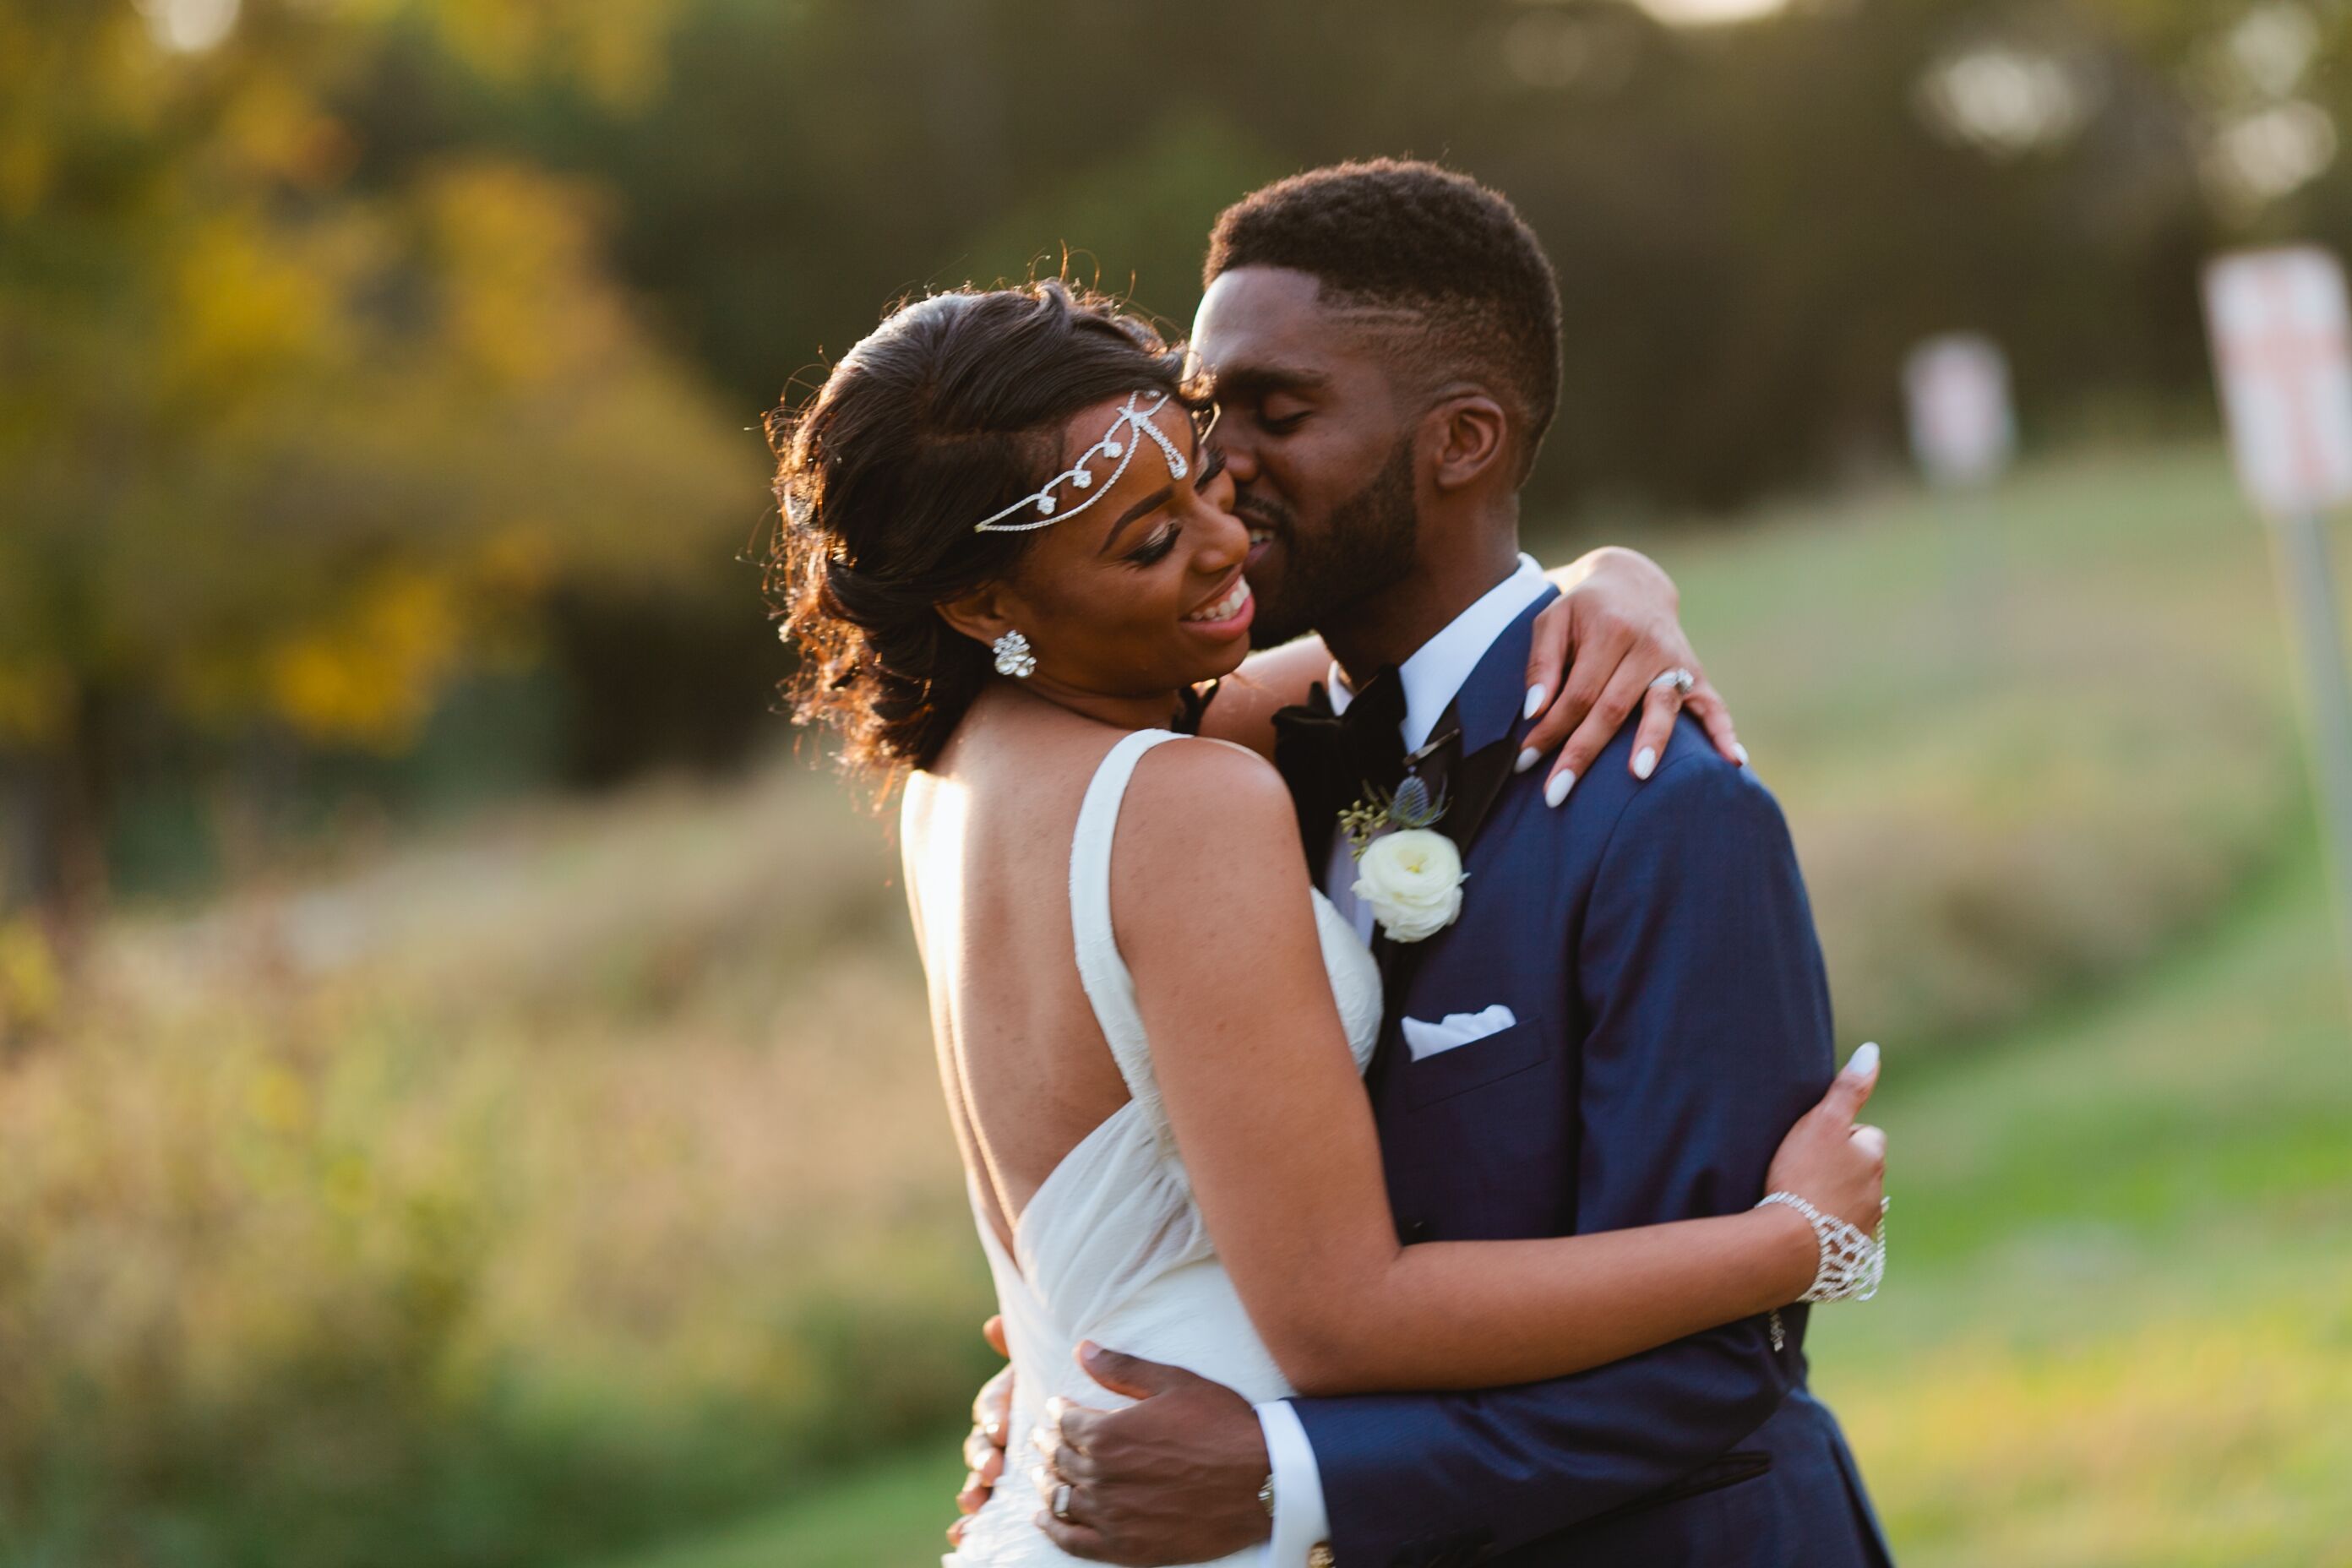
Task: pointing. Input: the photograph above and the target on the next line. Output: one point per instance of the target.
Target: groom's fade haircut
(1426, 249)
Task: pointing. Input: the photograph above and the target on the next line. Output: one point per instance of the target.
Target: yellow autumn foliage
(31, 986)
(302, 452)
(369, 676)
(246, 307)
(33, 701)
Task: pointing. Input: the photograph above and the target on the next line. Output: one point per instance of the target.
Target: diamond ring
(1681, 680)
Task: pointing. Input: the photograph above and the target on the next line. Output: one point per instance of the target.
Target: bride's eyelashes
(1154, 550)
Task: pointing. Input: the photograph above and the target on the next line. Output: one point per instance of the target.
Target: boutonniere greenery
(1409, 875)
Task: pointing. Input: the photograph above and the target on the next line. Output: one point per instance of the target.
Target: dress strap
(1109, 986)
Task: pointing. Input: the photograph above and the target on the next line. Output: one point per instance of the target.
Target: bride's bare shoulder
(1231, 775)
(1211, 798)
(1208, 864)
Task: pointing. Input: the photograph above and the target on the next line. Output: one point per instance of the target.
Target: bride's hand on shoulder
(1828, 1158)
(1599, 648)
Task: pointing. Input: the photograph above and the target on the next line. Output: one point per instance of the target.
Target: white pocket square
(1426, 1040)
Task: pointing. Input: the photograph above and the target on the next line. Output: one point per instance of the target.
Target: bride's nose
(1224, 539)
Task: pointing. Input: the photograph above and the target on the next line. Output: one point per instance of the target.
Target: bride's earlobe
(981, 616)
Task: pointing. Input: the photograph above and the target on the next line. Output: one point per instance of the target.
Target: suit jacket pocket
(1459, 1069)
(1728, 1470)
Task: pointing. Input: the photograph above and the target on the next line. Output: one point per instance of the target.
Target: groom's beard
(1366, 545)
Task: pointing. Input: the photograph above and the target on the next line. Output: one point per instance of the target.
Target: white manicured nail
(1645, 762)
(1536, 695)
(1527, 759)
(1555, 789)
(1865, 1060)
(1740, 752)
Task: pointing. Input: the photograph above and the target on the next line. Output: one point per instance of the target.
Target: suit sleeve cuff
(1300, 1521)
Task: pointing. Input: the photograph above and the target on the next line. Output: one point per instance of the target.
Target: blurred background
(465, 1095)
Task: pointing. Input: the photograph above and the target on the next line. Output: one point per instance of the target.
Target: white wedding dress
(1111, 1248)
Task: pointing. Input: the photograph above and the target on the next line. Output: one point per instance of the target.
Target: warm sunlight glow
(189, 26)
(2003, 101)
(1705, 12)
(2263, 156)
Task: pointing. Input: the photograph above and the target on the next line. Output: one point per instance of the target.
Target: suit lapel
(1488, 711)
(1472, 783)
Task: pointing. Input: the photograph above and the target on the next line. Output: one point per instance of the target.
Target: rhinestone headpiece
(1115, 443)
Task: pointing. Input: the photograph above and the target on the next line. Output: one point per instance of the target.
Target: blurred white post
(1963, 430)
(2282, 347)
(1964, 434)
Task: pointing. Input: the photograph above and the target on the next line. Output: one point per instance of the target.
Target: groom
(1629, 1013)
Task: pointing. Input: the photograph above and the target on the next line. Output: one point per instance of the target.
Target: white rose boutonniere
(1412, 882)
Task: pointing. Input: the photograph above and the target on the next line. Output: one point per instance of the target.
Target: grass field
(572, 1181)
(2121, 1332)
(2022, 742)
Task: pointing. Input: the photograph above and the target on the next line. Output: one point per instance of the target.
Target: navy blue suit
(1654, 944)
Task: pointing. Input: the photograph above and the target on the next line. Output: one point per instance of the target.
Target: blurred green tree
(285, 449)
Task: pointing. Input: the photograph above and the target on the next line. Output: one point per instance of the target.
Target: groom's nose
(1241, 458)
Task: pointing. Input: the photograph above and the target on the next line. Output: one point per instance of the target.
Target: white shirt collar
(1433, 675)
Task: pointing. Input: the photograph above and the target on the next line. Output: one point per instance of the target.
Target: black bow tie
(1333, 760)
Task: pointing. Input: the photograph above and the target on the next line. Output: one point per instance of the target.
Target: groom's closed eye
(1275, 410)
(1282, 415)
(1275, 399)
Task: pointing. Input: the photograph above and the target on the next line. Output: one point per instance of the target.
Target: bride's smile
(1229, 614)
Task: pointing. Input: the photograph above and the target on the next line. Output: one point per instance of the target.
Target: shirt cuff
(1300, 1521)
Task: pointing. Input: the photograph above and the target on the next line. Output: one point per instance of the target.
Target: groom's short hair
(1395, 235)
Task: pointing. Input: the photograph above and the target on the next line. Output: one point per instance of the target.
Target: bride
(1011, 565)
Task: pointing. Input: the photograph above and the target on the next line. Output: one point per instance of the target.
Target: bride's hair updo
(950, 411)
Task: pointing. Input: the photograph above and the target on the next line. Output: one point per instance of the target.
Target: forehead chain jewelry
(1119, 442)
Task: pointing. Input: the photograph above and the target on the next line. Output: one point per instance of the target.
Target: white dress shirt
(1431, 678)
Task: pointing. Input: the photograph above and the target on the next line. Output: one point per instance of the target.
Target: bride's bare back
(985, 837)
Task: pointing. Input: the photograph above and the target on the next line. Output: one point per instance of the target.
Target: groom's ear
(1471, 431)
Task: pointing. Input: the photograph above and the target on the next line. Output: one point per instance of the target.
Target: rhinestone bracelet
(1853, 1263)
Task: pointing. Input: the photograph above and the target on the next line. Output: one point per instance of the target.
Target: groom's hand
(1173, 1478)
(983, 1451)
